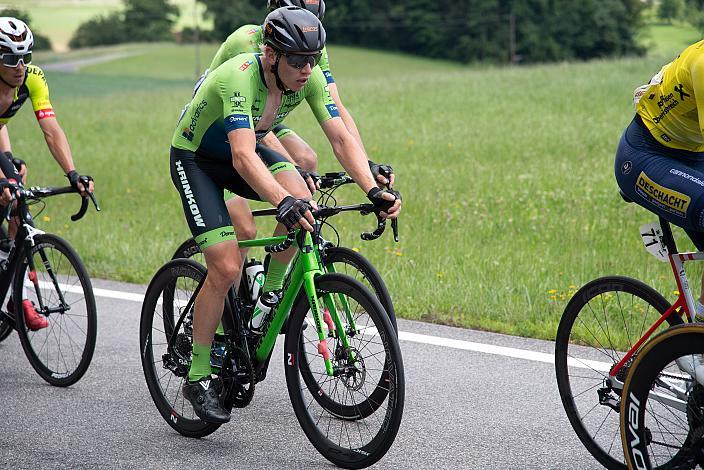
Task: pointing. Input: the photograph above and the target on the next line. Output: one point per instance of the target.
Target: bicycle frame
(306, 266)
(685, 300)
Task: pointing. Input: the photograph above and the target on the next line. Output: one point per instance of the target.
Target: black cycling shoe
(203, 395)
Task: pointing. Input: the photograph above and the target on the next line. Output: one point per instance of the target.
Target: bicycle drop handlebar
(37, 193)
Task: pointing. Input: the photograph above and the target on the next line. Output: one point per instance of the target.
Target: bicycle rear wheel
(349, 443)
(60, 289)
(662, 417)
(602, 321)
(167, 296)
(345, 261)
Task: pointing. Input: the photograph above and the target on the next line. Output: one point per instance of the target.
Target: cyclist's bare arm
(58, 146)
(4, 139)
(349, 153)
(251, 168)
(346, 116)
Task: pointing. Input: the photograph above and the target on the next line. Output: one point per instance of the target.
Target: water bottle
(254, 270)
(6, 247)
(267, 301)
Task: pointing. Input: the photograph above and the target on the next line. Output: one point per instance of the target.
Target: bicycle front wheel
(373, 354)
(662, 416)
(57, 284)
(601, 322)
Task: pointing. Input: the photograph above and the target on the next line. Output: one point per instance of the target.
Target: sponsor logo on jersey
(45, 113)
(252, 31)
(328, 76)
(627, 167)
(237, 100)
(188, 131)
(227, 233)
(237, 121)
(332, 110)
(246, 65)
(665, 198)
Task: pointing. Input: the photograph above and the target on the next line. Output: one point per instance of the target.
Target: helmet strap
(3, 80)
(275, 70)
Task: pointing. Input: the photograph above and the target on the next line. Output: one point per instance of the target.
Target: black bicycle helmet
(293, 30)
(317, 7)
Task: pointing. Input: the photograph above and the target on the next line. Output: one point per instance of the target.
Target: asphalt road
(464, 409)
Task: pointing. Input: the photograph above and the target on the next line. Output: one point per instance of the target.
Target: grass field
(510, 203)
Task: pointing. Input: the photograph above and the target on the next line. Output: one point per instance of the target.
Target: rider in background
(660, 158)
(19, 81)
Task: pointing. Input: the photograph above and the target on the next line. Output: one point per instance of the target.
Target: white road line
(416, 338)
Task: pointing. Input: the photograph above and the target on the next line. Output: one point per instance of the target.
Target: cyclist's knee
(307, 159)
(224, 265)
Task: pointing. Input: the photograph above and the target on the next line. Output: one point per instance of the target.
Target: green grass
(666, 41)
(510, 202)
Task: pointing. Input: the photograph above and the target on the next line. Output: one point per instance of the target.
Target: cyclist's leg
(242, 220)
(300, 151)
(208, 219)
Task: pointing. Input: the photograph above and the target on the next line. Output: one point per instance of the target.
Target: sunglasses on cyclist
(13, 60)
(299, 61)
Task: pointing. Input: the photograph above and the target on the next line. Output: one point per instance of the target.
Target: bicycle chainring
(240, 376)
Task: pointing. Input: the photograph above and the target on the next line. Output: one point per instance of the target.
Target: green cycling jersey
(249, 38)
(233, 97)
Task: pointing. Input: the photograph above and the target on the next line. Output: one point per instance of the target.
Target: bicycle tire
(368, 275)
(587, 414)
(165, 285)
(77, 293)
(672, 442)
(358, 454)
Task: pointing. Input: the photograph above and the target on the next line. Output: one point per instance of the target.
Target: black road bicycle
(44, 269)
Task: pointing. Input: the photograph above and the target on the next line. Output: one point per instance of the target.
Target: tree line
(462, 30)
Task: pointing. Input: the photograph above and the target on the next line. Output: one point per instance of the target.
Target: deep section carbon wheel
(354, 430)
(602, 321)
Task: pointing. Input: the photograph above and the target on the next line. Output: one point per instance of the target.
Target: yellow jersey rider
(660, 158)
(19, 81)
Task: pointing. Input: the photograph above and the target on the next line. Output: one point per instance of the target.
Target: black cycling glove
(290, 210)
(74, 178)
(305, 174)
(17, 162)
(380, 169)
(375, 195)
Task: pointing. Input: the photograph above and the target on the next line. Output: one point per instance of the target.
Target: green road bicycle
(343, 365)
(335, 258)
(44, 269)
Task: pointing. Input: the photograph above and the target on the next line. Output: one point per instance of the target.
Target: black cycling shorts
(200, 181)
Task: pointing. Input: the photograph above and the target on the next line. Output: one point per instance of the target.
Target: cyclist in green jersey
(249, 38)
(216, 147)
(20, 81)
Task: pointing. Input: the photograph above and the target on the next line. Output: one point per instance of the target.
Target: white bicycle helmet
(15, 36)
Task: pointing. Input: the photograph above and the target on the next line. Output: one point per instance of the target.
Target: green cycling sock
(200, 364)
(274, 276)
